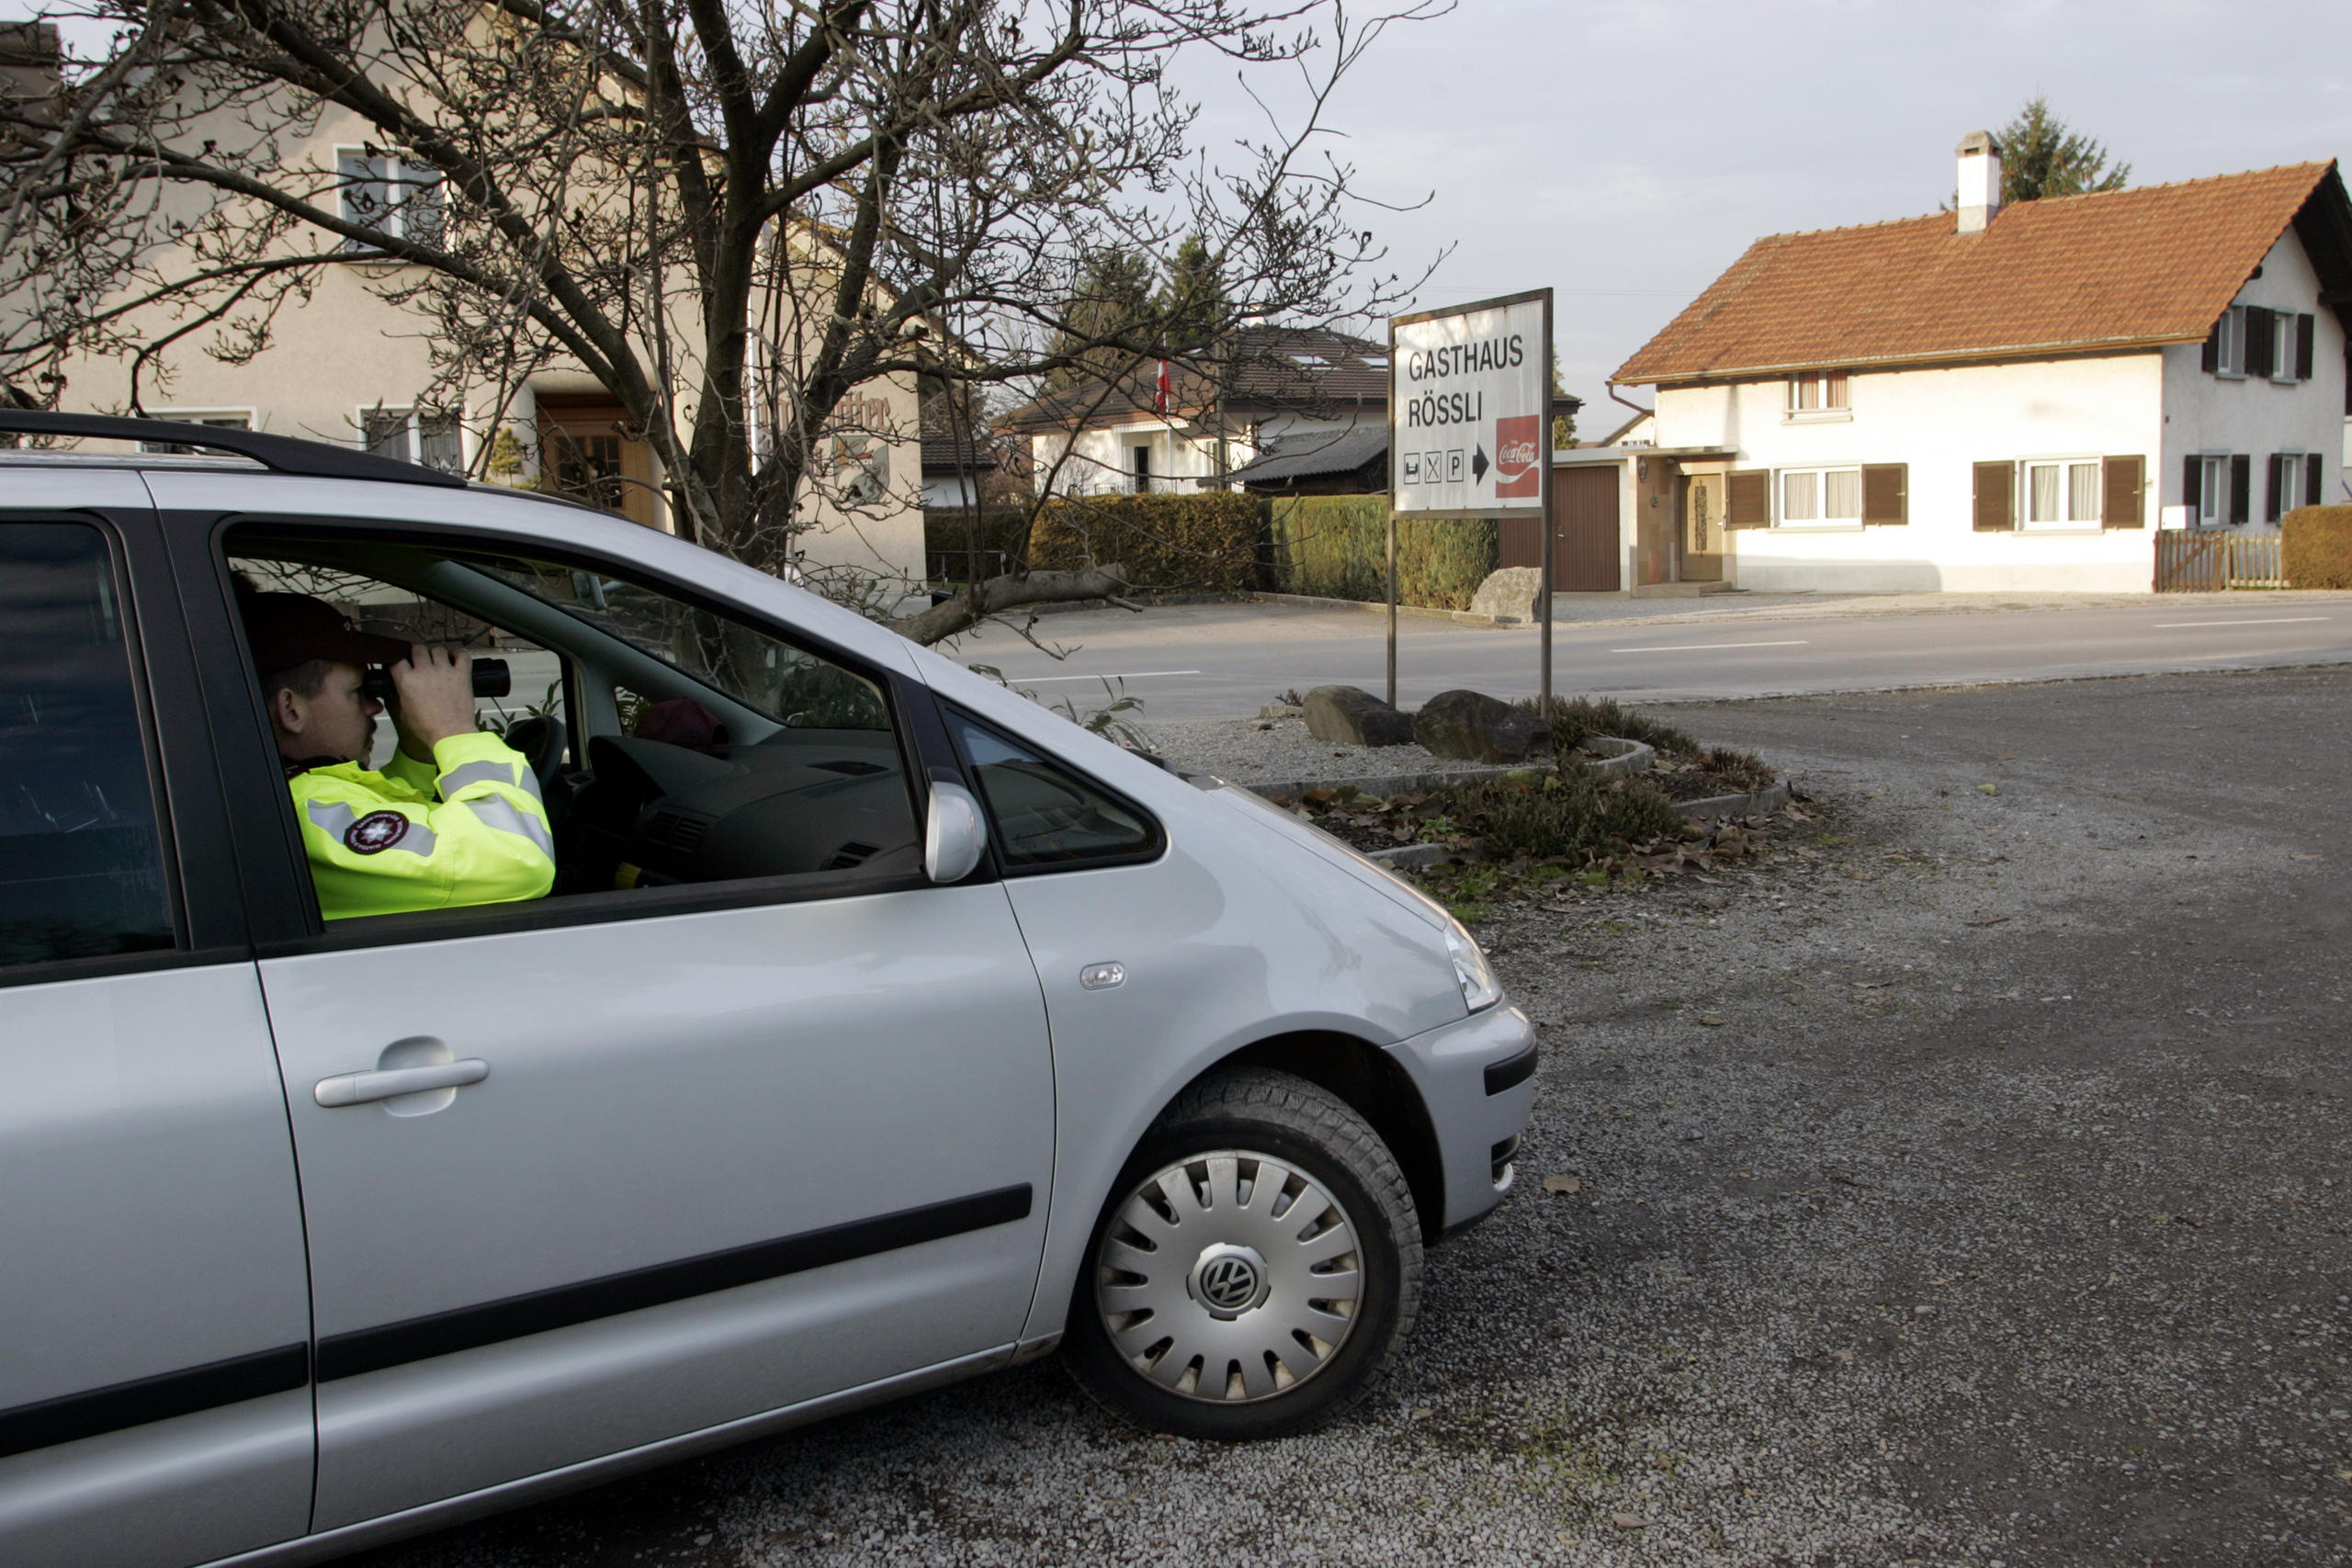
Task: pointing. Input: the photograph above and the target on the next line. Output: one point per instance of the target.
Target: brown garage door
(1584, 542)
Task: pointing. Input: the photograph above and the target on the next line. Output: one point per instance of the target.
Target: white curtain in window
(1800, 497)
(1842, 495)
(2043, 482)
(2082, 492)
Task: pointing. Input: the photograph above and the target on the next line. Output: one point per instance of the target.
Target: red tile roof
(2072, 275)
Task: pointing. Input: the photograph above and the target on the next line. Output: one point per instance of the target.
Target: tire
(1202, 1310)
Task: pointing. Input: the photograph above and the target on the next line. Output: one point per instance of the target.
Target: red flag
(1160, 390)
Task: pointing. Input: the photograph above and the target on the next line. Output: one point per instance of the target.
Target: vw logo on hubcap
(1228, 1280)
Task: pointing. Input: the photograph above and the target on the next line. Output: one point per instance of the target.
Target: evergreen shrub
(2315, 547)
(1336, 546)
(1210, 542)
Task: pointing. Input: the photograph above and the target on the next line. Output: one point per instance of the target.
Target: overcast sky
(1625, 153)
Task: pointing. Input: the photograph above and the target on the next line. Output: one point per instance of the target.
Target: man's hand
(433, 697)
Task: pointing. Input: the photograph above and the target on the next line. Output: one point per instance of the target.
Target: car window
(700, 748)
(81, 867)
(1042, 815)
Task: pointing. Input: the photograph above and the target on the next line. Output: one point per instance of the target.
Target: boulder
(1508, 595)
(1475, 727)
(1349, 715)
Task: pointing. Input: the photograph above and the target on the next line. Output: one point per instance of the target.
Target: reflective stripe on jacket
(467, 828)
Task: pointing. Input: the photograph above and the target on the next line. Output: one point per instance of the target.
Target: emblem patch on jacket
(375, 833)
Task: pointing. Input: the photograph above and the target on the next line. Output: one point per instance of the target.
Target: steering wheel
(541, 740)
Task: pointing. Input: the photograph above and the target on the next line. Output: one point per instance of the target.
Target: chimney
(1979, 181)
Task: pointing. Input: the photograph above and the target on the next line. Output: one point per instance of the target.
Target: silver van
(888, 1030)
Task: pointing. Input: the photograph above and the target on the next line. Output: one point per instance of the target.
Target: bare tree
(731, 213)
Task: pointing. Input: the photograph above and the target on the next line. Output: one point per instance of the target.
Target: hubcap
(1228, 1277)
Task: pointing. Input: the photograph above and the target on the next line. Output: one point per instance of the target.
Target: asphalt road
(1226, 661)
(1963, 1185)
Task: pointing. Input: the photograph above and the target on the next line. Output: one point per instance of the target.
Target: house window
(211, 421)
(1821, 497)
(2225, 345)
(397, 195)
(430, 439)
(2293, 477)
(2063, 494)
(1142, 471)
(1818, 392)
(2208, 499)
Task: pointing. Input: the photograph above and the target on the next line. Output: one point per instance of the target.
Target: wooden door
(1702, 529)
(586, 453)
(1585, 557)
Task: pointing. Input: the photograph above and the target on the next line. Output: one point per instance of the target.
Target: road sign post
(1470, 428)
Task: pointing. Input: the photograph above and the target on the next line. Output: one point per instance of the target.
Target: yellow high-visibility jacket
(467, 828)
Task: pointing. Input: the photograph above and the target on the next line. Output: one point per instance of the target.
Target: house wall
(1939, 422)
(1103, 460)
(2217, 414)
(346, 350)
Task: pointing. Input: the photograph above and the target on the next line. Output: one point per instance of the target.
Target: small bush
(1577, 719)
(1336, 546)
(1574, 813)
(2316, 545)
(1210, 542)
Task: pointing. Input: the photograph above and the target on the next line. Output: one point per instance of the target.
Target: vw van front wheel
(1256, 1268)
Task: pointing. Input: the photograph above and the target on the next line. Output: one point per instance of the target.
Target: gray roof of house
(1310, 454)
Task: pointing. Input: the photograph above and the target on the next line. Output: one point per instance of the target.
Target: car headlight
(1479, 987)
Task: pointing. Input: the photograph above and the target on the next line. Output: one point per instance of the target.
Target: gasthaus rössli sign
(1469, 401)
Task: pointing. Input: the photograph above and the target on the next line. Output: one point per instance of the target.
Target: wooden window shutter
(1995, 497)
(2304, 346)
(1748, 499)
(2123, 481)
(2212, 359)
(2271, 487)
(2241, 486)
(2192, 470)
(2313, 478)
(2259, 342)
(1886, 493)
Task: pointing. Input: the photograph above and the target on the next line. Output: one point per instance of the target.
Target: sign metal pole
(1544, 700)
(1392, 460)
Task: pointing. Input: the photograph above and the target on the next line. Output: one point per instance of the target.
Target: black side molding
(1511, 1071)
(110, 1409)
(492, 1323)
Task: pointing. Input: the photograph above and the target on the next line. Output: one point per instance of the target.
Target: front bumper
(1477, 1131)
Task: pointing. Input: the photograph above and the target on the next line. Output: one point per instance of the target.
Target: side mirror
(953, 836)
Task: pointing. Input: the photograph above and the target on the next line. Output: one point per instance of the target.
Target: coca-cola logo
(1517, 456)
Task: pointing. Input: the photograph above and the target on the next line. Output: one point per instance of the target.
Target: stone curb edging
(1316, 601)
(1636, 758)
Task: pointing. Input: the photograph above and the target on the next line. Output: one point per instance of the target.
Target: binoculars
(489, 679)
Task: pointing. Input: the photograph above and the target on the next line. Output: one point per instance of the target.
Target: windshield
(769, 676)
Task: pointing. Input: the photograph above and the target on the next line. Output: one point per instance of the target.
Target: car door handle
(361, 1088)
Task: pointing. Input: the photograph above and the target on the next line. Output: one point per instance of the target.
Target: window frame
(2284, 335)
(2068, 465)
(1825, 523)
(950, 713)
(171, 737)
(284, 902)
(413, 421)
(398, 174)
(2285, 477)
(1832, 394)
(2212, 479)
(2229, 357)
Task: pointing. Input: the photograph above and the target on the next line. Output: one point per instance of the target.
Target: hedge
(1336, 546)
(1211, 542)
(2315, 547)
(946, 539)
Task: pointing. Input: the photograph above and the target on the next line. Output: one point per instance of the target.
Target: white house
(1178, 425)
(1999, 398)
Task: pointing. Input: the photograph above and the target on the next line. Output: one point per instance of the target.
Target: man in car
(453, 819)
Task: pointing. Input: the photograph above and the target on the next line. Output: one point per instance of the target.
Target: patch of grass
(1576, 719)
(1573, 813)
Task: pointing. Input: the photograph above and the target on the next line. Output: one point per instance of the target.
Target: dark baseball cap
(287, 629)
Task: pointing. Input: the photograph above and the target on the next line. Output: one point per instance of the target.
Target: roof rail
(282, 453)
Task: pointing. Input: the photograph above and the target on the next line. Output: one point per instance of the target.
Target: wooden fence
(2194, 561)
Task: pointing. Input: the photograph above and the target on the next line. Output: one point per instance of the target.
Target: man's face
(340, 721)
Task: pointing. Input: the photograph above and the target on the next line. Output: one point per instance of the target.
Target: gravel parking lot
(1961, 1185)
